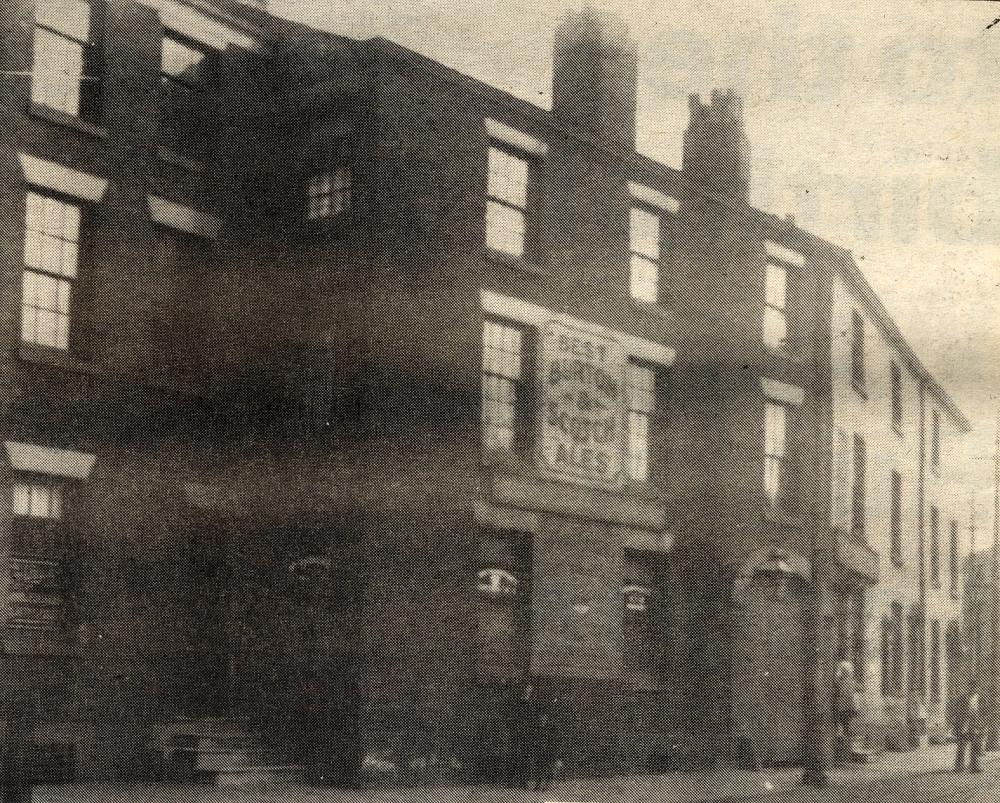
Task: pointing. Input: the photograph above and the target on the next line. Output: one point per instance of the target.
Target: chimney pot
(716, 149)
(594, 77)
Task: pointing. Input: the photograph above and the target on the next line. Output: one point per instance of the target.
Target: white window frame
(775, 449)
(205, 51)
(783, 397)
(328, 193)
(507, 199)
(503, 385)
(641, 390)
(53, 229)
(776, 306)
(645, 256)
(36, 498)
(61, 41)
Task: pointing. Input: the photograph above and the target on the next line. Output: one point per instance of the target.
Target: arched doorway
(769, 663)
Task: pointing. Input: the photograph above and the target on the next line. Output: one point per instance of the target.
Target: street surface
(919, 775)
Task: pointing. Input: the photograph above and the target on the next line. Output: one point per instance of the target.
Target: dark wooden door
(768, 672)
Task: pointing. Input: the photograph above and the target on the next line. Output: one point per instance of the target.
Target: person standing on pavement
(525, 736)
(845, 702)
(547, 760)
(968, 730)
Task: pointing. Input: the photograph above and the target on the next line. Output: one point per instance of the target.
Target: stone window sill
(784, 353)
(783, 518)
(43, 355)
(170, 157)
(655, 308)
(60, 118)
(519, 263)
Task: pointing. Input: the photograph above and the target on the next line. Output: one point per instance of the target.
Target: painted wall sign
(582, 410)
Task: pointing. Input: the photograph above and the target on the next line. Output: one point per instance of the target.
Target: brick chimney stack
(594, 77)
(716, 149)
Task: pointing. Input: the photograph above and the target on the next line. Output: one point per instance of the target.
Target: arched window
(496, 583)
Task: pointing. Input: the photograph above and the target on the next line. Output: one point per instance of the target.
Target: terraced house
(346, 395)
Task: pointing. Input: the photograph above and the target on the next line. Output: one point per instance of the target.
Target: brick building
(347, 394)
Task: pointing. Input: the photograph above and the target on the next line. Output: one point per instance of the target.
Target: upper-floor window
(51, 264)
(507, 202)
(505, 386)
(644, 270)
(857, 350)
(858, 496)
(935, 661)
(775, 301)
(187, 62)
(778, 467)
(329, 193)
(935, 440)
(63, 76)
(935, 546)
(641, 409)
(896, 382)
(38, 500)
(896, 519)
(953, 559)
(188, 73)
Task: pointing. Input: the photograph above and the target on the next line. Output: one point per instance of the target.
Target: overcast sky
(876, 124)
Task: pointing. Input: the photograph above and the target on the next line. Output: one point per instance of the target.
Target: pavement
(917, 775)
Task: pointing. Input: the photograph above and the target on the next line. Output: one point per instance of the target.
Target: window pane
(502, 365)
(320, 184)
(504, 229)
(641, 389)
(57, 72)
(341, 179)
(776, 286)
(329, 193)
(37, 501)
(508, 178)
(772, 478)
(181, 61)
(187, 121)
(45, 310)
(774, 430)
(71, 17)
(644, 233)
(22, 500)
(502, 347)
(644, 279)
(52, 233)
(775, 327)
(638, 445)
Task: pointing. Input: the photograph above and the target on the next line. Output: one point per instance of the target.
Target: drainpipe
(920, 702)
(994, 598)
(818, 728)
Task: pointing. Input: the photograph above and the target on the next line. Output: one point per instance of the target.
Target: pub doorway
(768, 669)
